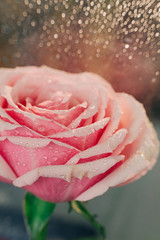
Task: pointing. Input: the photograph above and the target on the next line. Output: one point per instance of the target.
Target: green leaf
(37, 214)
(82, 210)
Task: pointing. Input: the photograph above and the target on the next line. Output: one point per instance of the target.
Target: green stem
(82, 210)
(37, 214)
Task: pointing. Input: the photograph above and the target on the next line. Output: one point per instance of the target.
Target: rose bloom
(70, 136)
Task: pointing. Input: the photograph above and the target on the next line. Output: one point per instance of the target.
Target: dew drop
(50, 80)
(92, 130)
(94, 169)
(41, 128)
(62, 176)
(29, 134)
(16, 132)
(54, 158)
(92, 107)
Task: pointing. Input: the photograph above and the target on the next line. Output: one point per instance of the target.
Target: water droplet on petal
(50, 80)
(62, 176)
(41, 128)
(16, 132)
(54, 158)
(92, 130)
(92, 107)
(29, 134)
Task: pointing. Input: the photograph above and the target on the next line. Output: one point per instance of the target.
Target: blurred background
(120, 40)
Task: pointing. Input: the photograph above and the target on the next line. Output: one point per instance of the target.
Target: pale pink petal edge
(67, 172)
(5, 170)
(132, 169)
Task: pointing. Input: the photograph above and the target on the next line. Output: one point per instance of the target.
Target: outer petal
(24, 154)
(132, 118)
(6, 173)
(49, 182)
(133, 168)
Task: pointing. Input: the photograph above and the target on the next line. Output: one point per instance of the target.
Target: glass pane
(119, 40)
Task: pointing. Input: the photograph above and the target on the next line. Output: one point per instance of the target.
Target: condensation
(118, 39)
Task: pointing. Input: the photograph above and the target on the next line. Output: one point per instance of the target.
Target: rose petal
(84, 137)
(5, 117)
(40, 125)
(67, 172)
(114, 111)
(105, 91)
(64, 117)
(24, 154)
(4, 125)
(129, 119)
(5, 171)
(20, 131)
(83, 131)
(137, 165)
(106, 147)
(59, 101)
(33, 142)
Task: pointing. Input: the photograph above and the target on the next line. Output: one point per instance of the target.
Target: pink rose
(69, 136)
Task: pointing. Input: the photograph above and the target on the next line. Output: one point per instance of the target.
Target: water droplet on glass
(84, 36)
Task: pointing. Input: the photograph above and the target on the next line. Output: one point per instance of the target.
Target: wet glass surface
(119, 40)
